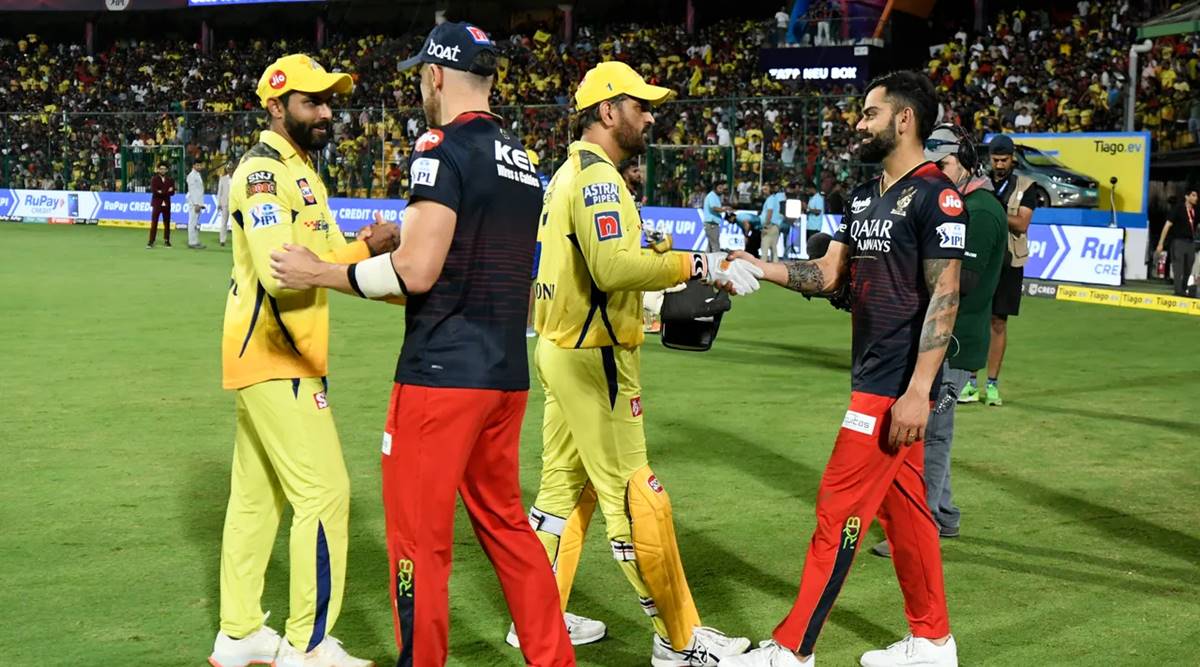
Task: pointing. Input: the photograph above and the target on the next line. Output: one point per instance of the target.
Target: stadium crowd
(66, 114)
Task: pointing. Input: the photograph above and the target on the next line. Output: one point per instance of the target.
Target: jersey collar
(908, 174)
(278, 142)
(588, 146)
(472, 115)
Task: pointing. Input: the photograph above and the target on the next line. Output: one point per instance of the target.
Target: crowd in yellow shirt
(1031, 71)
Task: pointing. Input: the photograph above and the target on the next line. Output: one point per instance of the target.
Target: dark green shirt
(987, 238)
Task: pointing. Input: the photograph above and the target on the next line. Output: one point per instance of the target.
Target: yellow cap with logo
(301, 73)
(613, 78)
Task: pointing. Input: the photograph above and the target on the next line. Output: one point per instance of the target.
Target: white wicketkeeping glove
(720, 270)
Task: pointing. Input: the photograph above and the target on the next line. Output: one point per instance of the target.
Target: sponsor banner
(1101, 156)
(90, 5)
(1157, 302)
(1036, 288)
(822, 66)
(1092, 255)
(49, 204)
(132, 209)
(686, 227)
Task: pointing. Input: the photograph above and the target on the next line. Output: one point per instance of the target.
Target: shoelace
(714, 636)
(908, 645)
(776, 650)
(332, 646)
(573, 621)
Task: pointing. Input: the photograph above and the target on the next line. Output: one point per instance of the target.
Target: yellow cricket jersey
(591, 268)
(273, 333)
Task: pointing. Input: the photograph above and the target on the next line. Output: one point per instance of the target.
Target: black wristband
(354, 281)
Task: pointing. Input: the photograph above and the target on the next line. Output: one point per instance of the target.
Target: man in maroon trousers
(162, 187)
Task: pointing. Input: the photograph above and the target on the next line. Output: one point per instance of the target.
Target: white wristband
(375, 278)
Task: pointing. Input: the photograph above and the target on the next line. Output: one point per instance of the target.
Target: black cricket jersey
(922, 216)
(468, 331)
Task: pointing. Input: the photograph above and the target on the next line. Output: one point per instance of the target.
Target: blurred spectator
(224, 181)
(714, 210)
(393, 181)
(1180, 235)
(67, 115)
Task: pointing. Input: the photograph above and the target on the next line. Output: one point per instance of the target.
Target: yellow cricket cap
(301, 73)
(612, 78)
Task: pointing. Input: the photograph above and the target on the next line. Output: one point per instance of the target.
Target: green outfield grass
(1081, 496)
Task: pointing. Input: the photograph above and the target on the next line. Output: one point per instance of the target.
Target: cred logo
(950, 202)
(278, 79)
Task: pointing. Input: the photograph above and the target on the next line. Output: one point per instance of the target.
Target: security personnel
(588, 293)
(274, 351)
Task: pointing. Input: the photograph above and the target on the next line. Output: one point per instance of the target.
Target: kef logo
(278, 79)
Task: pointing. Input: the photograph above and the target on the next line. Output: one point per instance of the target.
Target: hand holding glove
(736, 276)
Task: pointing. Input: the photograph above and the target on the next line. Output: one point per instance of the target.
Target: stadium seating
(67, 115)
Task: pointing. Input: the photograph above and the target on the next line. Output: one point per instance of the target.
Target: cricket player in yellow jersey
(588, 314)
(274, 352)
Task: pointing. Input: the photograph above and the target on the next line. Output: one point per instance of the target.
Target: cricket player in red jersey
(464, 265)
(900, 246)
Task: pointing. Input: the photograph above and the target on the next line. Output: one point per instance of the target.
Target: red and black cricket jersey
(468, 331)
(920, 217)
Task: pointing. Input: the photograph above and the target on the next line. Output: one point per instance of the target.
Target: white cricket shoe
(581, 629)
(257, 648)
(913, 651)
(707, 648)
(768, 654)
(329, 653)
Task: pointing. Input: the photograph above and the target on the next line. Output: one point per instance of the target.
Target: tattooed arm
(911, 411)
(811, 277)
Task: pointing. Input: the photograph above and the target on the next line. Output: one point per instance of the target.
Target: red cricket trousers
(439, 443)
(860, 481)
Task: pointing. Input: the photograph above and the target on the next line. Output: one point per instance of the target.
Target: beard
(630, 140)
(874, 148)
(433, 110)
(308, 136)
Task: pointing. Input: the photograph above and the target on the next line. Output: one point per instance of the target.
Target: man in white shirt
(223, 202)
(723, 138)
(782, 21)
(1024, 120)
(195, 203)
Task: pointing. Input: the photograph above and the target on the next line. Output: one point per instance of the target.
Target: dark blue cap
(454, 45)
(1001, 144)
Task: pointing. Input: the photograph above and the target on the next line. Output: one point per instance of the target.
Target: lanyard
(1000, 190)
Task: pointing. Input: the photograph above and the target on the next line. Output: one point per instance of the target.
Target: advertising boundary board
(1062, 252)
(131, 209)
(1163, 303)
(1084, 152)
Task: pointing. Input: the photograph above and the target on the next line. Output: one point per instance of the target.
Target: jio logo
(278, 79)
